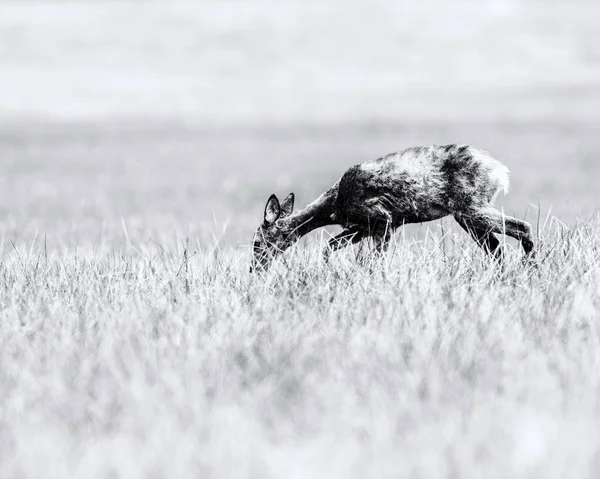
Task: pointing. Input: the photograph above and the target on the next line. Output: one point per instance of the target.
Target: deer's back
(420, 184)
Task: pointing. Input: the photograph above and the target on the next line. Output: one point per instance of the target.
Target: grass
(160, 361)
(127, 350)
(120, 358)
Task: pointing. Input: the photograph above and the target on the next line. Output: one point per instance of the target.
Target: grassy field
(120, 358)
(139, 142)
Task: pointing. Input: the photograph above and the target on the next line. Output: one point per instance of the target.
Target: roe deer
(412, 186)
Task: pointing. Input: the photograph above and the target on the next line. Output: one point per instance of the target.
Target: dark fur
(412, 186)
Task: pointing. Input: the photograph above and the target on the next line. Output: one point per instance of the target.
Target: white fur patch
(498, 172)
(501, 174)
(371, 166)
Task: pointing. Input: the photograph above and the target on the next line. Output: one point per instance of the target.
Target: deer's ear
(272, 210)
(287, 205)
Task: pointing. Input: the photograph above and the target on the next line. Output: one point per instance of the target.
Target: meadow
(139, 142)
(135, 344)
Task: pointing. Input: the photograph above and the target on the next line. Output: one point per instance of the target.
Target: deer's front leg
(382, 235)
(345, 238)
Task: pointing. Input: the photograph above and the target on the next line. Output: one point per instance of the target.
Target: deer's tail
(498, 172)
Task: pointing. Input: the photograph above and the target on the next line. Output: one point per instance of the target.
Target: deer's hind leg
(482, 236)
(492, 220)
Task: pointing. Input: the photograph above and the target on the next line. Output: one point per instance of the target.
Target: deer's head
(271, 237)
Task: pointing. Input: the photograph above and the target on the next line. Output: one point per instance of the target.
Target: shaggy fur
(412, 186)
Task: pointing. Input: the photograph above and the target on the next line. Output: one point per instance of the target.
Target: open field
(79, 184)
(139, 142)
(119, 359)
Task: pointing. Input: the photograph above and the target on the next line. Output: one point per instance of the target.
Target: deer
(415, 185)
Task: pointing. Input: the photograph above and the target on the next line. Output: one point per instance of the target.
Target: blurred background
(149, 118)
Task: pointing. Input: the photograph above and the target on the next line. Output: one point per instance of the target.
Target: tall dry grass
(161, 361)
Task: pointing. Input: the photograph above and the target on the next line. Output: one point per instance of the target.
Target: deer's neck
(319, 213)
